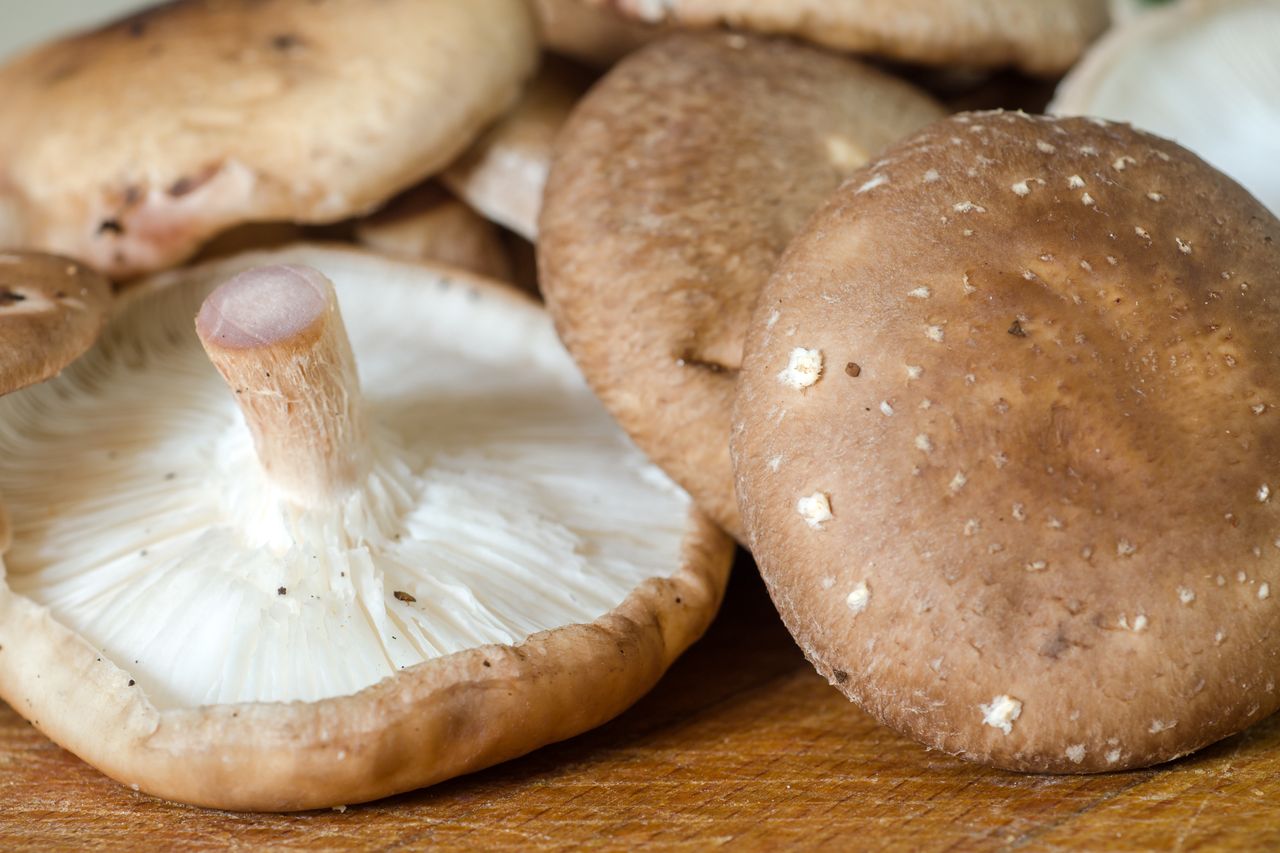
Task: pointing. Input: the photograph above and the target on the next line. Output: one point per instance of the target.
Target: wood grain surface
(741, 744)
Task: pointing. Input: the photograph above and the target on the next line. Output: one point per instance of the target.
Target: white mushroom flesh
(1206, 76)
(501, 499)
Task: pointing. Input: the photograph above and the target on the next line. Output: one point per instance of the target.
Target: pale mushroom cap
(588, 33)
(503, 174)
(675, 187)
(1046, 433)
(428, 224)
(51, 310)
(248, 110)
(1202, 72)
(511, 572)
(1039, 36)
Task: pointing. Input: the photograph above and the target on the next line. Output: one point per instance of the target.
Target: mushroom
(299, 590)
(245, 112)
(1202, 72)
(51, 311)
(674, 188)
(1043, 436)
(503, 173)
(1042, 37)
(596, 36)
(428, 224)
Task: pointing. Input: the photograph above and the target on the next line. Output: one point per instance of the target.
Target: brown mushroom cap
(51, 310)
(502, 175)
(675, 187)
(1039, 36)
(162, 129)
(1026, 513)
(428, 224)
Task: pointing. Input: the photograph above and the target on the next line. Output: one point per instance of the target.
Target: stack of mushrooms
(306, 499)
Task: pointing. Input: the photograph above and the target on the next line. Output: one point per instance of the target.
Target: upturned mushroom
(1006, 444)
(674, 188)
(1039, 36)
(1202, 72)
(159, 131)
(275, 585)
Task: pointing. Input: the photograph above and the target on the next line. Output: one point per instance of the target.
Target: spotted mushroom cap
(167, 127)
(1006, 444)
(1039, 36)
(51, 311)
(673, 191)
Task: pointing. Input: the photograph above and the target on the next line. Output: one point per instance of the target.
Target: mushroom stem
(276, 336)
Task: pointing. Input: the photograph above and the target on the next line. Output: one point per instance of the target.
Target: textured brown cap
(503, 174)
(157, 132)
(1039, 36)
(675, 187)
(51, 310)
(1007, 444)
(428, 224)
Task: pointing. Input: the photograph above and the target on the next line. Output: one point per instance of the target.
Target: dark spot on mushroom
(132, 195)
(132, 682)
(110, 226)
(853, 369)
(840, 676)
(679, 600)
(281, 591)
(285, 41)
(59, 294)
(688, 359)
(401, 595)
(1016, 329)
(9, 297)
(137, 29)
(171, 475)
(486, 663)
(142, 553)
(181, 187)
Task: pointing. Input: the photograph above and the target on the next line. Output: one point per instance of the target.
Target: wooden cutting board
(740, 744)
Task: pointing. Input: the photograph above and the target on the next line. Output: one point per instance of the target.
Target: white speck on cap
(1113, 756)
(885, 408)
(921, 292)
(858, 598)
(1183, 246)
(930, 176)
(1155, 196)
(1264, 493)
(1141, 232)
(972, 526)
(1140, 622)
(958, 481)
(815, 509)
(1086, 199)
(1075, 182)
(934, 333)
(774, 316)
(1219, 636)
(875, 181)
(968, 288)
(1120, 162)
(1037, 566)
(923, 442)
(1264, 591)
(1125, 548)
(1001, 713)
(1046, 147)
(1019, 512)
(914, 371)
(1258, 408)
(775, 464)
(1186, 595)
(1241, 577)
(804, 368)
(1020, 189)
(968, 207)
(1076, 753)
(1158, 726)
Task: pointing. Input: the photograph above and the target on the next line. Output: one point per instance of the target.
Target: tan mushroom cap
(503, 174)
(149, 714)
(590, 34)
(161, 130)
(51, 310)
(1021, 506)
(1039, 36)
(675, 187)
(428, 224)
